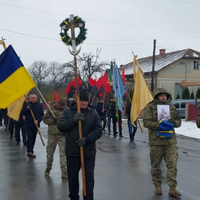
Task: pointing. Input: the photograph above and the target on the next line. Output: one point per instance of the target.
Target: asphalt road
(122, 170)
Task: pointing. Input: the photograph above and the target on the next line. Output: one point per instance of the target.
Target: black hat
(110, 98)
(83, 95)
(62, 101)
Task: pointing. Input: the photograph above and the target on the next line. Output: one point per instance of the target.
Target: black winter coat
(91, 130)
(99, 109)
(37, 111)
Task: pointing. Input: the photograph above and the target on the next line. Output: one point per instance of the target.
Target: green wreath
(81, 36)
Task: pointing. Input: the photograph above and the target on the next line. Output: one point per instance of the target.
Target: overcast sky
(116, 27)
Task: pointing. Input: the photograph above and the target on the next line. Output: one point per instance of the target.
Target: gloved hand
(172, 121)
(55, 120)
(81, 142)
(79, 116)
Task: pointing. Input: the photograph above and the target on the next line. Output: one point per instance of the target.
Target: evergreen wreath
(81, 36)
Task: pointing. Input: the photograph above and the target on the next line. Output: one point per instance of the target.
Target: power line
(189, 2)
(109, 22)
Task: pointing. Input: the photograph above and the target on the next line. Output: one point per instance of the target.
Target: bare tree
(89, 65)
(39, 73)
(59, 75)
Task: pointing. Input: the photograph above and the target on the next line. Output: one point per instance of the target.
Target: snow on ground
(189, 129)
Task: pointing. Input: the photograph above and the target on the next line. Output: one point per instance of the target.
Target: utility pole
(153, 66)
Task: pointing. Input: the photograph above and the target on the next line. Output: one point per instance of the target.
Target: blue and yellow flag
(15, 81)
(118, 87)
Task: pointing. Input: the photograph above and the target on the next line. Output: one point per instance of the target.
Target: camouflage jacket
(150, 121)
(48, 119)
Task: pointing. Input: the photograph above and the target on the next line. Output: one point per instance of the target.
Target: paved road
(122, 170)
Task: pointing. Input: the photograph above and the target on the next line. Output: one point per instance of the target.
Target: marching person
(116, 117)
(30, 123)
(91, 131)
(100, 108)
(108, 107)
(55, 137)
(162, 141)
(20, 125)
(132, 129)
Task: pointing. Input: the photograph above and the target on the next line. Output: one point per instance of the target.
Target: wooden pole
(78, 103)
(3, 43)
(37, 127)
(45, 102)
(153, 66)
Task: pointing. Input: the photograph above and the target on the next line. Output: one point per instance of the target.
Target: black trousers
(18, 126)
(73, 168)
(114, 121)
(31, 137)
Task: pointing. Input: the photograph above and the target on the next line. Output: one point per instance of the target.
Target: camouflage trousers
(170, 155)
(53, 140)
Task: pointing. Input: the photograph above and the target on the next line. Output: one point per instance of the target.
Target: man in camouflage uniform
(55, 137)
(162, 147)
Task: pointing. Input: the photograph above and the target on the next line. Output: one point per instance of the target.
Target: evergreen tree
(178, 96)
(186, 94)
(198, 93)
(192, 95)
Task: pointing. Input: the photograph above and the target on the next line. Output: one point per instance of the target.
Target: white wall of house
(182, 70)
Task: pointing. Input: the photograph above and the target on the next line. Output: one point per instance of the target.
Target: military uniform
(162, 147)
(55, 137)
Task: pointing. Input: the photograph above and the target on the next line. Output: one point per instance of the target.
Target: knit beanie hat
(83, 95)
(62, 101)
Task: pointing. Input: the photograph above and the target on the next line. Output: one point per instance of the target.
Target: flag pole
(37, 127)
(45, 102)
(74, 52)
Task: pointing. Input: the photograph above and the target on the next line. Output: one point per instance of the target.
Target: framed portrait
(163, 112)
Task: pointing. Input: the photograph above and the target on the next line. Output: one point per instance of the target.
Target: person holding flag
(132, 129)
(29, 108)
(91, 131)
(116, 117)
(100, 108)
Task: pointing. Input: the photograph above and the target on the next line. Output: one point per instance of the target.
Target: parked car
(180, 105)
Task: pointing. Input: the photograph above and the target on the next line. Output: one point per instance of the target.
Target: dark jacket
(99, 109)
(91, 130)
(113, 110)
(37, 111)
(151, 122)
(128, 111)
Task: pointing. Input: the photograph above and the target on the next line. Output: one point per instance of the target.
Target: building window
(196, 64)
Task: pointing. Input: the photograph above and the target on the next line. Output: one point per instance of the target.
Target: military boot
(174, 192)
(158, 190)
(47, 171)
(64, 175)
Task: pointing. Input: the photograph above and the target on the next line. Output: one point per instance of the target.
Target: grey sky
(115, 26)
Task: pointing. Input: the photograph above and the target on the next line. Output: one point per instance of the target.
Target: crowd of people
(74, 131)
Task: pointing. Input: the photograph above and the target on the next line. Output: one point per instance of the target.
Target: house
(170, 70)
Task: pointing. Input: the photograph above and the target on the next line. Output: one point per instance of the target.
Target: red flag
(92, 82)
(68, 88)
(106, 85)
(71, 88)
(124, 80)
(74, 82)
(55, 96)
(101, 95)
(123, 77)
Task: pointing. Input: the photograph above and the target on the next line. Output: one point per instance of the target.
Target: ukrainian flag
(15, 81)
